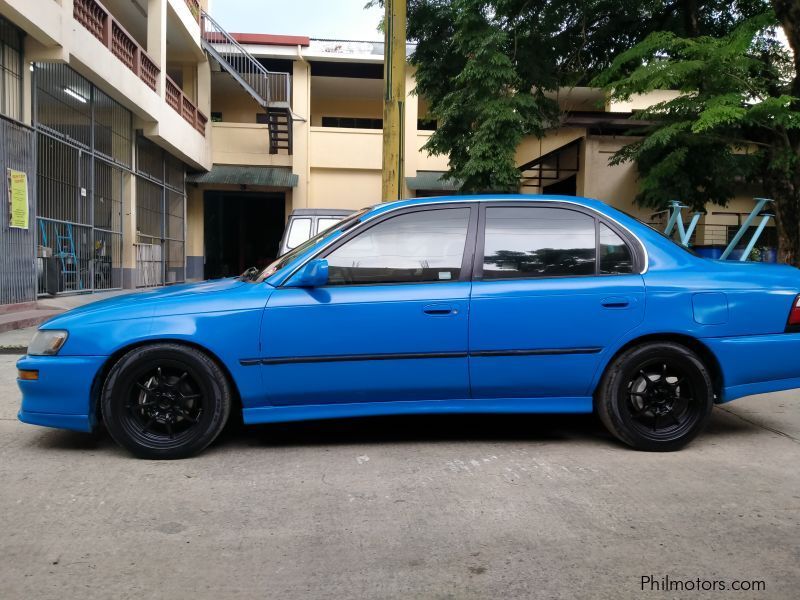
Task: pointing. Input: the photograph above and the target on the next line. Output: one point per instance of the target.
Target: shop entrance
(242, 230)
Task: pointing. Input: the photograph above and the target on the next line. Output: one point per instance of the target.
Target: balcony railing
(194, 7)
(101, 24)
(185, 107)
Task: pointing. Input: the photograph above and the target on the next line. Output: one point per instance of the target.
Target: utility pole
(394, 84)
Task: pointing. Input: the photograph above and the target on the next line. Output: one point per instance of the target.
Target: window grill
(160, 216)
(113, 135)
(10, 70)
(84, 152)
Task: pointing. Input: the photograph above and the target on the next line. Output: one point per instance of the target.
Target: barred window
(10, 70)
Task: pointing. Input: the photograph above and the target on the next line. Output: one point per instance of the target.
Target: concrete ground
(424, 507)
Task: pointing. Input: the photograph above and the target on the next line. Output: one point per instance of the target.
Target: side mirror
(313, 274)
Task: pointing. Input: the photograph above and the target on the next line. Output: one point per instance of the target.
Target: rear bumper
(757, 364)
(62, 396)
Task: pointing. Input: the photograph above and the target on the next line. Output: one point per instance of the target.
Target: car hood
(144, 304)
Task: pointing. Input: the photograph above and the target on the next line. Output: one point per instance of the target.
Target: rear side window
(538, 242)
(425, 246)
(615, 256)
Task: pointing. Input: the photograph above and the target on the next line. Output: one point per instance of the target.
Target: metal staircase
(272, 91)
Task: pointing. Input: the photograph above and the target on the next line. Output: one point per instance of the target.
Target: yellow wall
(370, 108)
(244, 144)
(235, 104)
(336, 188)
(194, 222)
(615, 185)
(333, 147)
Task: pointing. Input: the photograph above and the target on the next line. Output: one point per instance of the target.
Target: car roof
(387, 206)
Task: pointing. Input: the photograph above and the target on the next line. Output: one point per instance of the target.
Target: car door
(554, 285)
(390, 325)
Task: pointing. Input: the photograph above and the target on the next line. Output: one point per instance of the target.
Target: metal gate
(85, 154)
(17, 261)
(160, 216)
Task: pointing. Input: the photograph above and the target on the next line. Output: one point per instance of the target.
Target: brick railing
(194, 7)
(98, 20)
(185, 107)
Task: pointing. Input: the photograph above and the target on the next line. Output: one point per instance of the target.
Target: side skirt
(307, 412)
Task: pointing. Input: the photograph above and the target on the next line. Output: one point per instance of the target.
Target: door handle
(616, 302)
(440, 310)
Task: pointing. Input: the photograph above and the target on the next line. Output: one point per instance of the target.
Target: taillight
(793, 324)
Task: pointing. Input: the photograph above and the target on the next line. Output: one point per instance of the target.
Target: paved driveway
(468, 507)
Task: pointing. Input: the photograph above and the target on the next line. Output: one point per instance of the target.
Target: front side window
(538, 242)
(424, 246)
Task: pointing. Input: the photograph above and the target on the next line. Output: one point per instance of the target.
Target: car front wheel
(165, 401)
(657, 396)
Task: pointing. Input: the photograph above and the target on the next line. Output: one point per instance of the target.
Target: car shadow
(401, 429)
(417, 428)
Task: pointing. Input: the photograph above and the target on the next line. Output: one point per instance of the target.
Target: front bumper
(62, 396)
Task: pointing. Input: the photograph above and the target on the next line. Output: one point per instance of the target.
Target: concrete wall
(244, 144)
(54, 35)
(337, 188)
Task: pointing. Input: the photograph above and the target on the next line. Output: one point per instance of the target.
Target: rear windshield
(661, 233)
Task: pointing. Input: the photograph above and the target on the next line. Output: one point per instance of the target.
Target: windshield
(284, 260)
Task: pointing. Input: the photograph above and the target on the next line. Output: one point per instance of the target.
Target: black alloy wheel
(657, 396)
(165, 401)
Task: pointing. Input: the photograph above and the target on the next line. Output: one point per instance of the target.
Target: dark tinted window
(415, 247)
(538, 242)
(615, 256)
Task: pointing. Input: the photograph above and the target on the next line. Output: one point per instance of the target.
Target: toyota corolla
(514, 304)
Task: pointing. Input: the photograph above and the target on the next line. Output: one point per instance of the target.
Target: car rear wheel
(656, 396)
(165, 401)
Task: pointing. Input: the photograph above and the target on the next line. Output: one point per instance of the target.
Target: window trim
(477, 269)
(467, 258)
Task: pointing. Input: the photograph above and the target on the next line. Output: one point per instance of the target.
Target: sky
(337, 19)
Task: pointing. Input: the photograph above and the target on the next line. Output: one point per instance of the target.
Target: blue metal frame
(676, 218)
(760, 204)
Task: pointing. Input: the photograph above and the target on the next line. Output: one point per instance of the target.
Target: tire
(655, 397)
(165, 401)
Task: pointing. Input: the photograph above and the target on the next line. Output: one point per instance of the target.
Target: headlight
(47, 342)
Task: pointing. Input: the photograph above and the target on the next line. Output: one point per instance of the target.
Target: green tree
(485, 66)
(735, 119)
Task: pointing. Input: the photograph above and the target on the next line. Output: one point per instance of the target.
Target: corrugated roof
(433, 180)
(241, 175)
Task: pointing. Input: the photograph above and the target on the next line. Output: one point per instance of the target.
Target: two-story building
(160, 148)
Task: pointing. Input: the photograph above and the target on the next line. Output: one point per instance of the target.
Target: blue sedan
(512, 304)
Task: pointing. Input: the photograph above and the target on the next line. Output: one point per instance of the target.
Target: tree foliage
(731, 97)
(490, 68)
(734, 119)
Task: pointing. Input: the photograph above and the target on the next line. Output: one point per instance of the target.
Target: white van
(305, 223)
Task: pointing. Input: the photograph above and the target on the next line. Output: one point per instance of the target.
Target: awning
(433, 180)
(241, 175)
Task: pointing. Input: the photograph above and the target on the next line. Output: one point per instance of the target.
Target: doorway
(242, 230)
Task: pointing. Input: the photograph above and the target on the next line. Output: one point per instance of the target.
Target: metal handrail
(258, 77)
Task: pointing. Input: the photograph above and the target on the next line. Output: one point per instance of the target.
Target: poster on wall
(18, 199)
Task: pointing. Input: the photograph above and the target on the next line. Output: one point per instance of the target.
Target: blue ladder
(65, 246)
